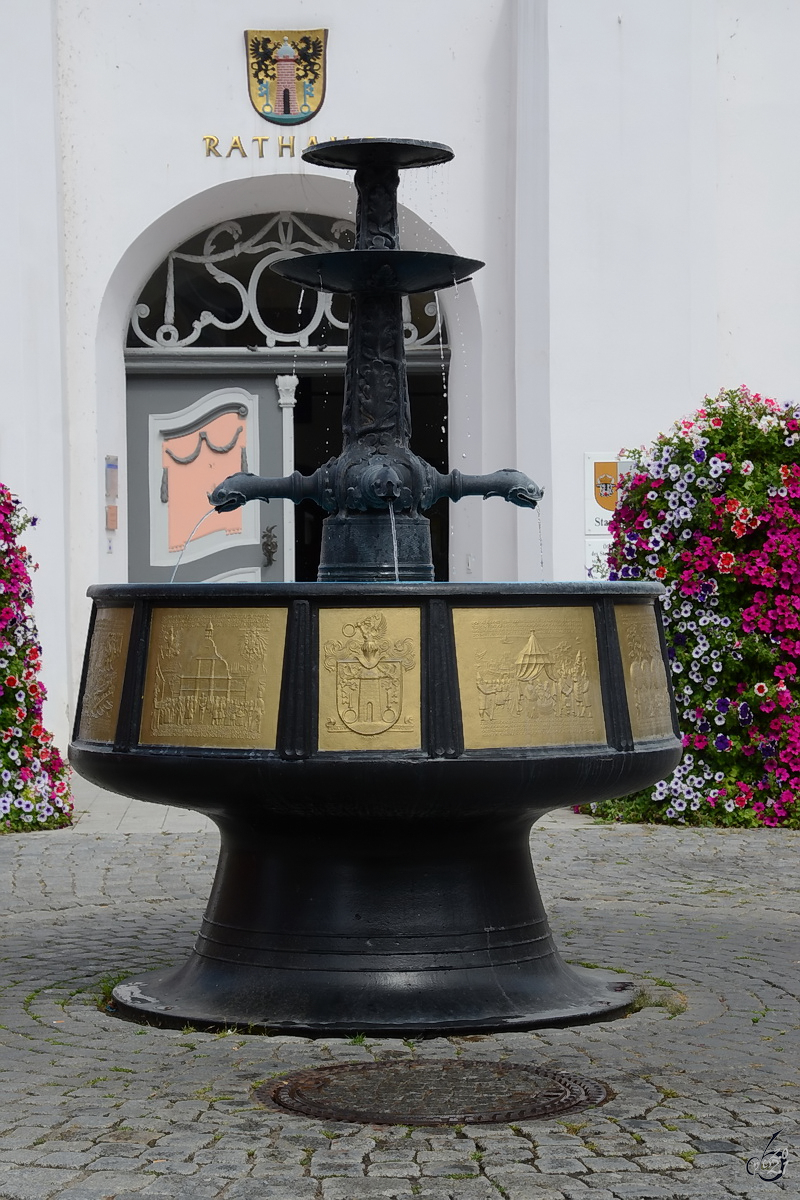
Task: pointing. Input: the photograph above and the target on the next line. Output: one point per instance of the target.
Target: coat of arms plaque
(286, 73)
(369, 682)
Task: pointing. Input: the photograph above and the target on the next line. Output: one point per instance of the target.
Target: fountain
(375, 747)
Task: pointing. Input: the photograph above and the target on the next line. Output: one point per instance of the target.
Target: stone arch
(298, 192)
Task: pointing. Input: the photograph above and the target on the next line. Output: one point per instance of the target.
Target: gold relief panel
(102, 693)
(645, 673)
(214, 677)
(528, 677)
(369, 679)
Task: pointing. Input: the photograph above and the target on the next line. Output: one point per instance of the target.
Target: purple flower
(699, 455)
(723, 704)
(722, 741)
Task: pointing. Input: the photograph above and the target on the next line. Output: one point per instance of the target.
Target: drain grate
(432, 1093)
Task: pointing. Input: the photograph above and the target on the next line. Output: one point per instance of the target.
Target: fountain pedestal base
(342, 928)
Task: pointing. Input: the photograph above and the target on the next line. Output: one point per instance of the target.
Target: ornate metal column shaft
(377, 471)
(376, 363)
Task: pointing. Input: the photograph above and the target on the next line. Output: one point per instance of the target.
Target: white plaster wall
(531, 220)
(141, 86)
(759, 184)
(674, 240)
(633, 211)
(32, 404)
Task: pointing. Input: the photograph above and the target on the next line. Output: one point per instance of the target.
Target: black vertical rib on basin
(445, 733)
(312, 678)
(294, 740)
(132, 698)
(612, 677)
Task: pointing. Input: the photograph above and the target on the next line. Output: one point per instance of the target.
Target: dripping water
(394, 544)
(186, 543)
(541, 541)
(441, 345)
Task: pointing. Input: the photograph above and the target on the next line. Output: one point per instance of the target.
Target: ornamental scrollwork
(213, 291)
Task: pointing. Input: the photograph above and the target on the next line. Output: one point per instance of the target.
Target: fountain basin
(374, 756)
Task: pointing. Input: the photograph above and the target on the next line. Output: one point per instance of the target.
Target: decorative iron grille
(216, 291)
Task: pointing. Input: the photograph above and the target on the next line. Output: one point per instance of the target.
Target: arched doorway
(232, 367)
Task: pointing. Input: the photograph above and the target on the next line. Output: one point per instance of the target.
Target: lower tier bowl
(374, 757)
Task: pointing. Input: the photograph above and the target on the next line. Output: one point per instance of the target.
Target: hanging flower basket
(712, 510)
(34, 788)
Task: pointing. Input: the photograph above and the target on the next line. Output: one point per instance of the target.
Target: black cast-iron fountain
(375, 747)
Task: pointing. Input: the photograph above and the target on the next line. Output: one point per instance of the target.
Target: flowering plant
(712, 510)
(34, 791)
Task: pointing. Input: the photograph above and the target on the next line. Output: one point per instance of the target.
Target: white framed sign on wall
(601, 492)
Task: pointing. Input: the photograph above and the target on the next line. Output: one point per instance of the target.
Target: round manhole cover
(432, 1093)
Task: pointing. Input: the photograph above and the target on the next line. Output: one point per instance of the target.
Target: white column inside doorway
(287, 386)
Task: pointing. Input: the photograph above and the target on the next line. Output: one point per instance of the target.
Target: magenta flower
(723, 537)
(28, 764)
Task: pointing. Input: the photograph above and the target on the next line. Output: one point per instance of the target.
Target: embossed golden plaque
(107, 657)
(369, 679)
(528, 677)
(214, 677)
(645, 674)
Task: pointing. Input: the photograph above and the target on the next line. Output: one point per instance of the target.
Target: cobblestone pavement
(94, 1107)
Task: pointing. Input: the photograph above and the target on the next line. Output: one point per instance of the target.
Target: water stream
(394, 544)
(440, 324)
(541, 540)
(186, 543)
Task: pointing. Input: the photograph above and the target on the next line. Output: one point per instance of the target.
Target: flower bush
(712, 510)
(34, 788)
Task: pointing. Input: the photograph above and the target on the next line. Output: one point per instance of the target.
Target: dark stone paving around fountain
(93, 1107)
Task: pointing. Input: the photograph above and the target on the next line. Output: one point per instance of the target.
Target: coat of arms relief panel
(369, 690)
